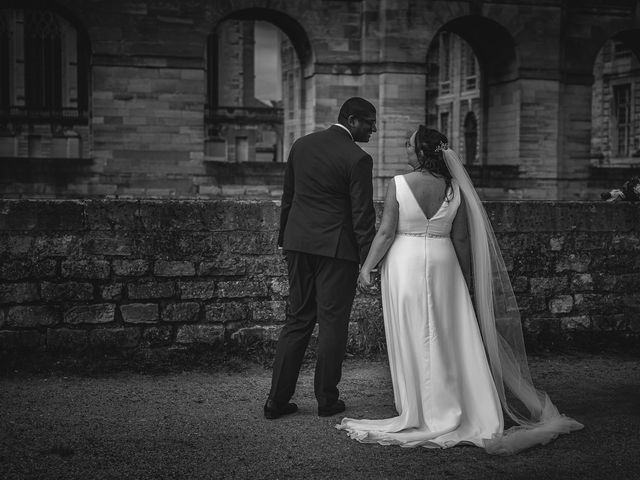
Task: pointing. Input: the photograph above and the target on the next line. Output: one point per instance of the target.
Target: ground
(205, 421)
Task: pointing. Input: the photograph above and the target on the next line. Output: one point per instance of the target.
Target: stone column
(538, 143)
(400, 111)
(574, 138)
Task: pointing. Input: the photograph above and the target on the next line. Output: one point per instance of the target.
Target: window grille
(621, 50)
(444, 123)
(622, 119)
(44, 69)
(469, 67)
(470, 138)
(445, 63)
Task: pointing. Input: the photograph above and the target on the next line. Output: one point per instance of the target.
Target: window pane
(242, 149)
(622, 112)
(470, 138)
(43, 62)
(445, 57)
(444, 123)
(267, 64)
(4, 63)
(244, 59)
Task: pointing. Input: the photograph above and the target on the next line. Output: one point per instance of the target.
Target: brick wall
(118, 274)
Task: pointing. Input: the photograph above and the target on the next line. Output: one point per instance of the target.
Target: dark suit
(327, 224)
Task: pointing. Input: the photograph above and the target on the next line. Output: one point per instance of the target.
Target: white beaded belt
(426, 234)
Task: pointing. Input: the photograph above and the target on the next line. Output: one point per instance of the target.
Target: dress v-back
(443, 389)
(413, 220)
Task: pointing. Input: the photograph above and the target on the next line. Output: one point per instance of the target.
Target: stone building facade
(123, 98)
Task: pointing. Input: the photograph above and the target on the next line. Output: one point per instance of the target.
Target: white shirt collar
(345, 128)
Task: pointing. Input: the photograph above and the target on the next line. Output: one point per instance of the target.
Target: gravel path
(207, 423)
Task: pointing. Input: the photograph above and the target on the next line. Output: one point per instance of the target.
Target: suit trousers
(321, 289)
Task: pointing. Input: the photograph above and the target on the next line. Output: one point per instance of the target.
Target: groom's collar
(344, 128)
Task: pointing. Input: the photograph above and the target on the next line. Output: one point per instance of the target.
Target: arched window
(243, 58)
(43, 62)
(44, 82)
(4, 65)
(252, 87)
(470, 138)
(483, 66)
(212, 66)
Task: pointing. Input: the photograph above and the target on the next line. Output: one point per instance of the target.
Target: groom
(327, 224)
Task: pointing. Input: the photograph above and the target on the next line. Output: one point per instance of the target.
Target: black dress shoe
(332, 409)
(273, 410)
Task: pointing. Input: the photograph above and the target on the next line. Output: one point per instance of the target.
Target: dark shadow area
(58, 172)
(246, 173)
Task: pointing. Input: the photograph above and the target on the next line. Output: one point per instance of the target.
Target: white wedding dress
(443, 388)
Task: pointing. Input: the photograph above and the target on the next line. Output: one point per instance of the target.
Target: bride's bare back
(428, 190)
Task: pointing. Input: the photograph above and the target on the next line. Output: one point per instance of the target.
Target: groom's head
(359, 116)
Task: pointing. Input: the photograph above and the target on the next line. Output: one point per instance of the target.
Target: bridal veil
(538, 420)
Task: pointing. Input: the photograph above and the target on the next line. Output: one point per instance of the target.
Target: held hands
(365, 282)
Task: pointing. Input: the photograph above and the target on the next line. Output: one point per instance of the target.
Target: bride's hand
(364, 281)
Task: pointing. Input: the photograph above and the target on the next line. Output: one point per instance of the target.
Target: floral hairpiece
(441, 146)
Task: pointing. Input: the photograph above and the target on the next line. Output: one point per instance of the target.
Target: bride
(454, 368)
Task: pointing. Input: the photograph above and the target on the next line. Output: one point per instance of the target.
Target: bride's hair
(428, 147)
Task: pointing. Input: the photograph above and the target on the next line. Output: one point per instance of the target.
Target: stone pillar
(400, 111)
(504, 105)
(248, 71)
(538, 129)
(574, 139)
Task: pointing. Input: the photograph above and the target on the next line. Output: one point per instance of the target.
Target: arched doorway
(453, 91)
(256, 102)
(472, 67)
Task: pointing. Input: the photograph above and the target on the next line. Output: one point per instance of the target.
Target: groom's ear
(352, 120)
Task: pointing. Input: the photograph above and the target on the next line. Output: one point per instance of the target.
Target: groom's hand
(364, 281)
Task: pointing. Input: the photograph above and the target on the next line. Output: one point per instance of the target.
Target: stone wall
(143, 274)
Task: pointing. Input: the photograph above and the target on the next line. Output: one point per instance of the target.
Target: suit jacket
(327, 201)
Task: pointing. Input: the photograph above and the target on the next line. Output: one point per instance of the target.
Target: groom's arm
(363, 215)
(287, 196)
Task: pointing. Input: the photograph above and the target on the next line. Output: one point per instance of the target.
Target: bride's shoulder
(407, 176)
(402, 176)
